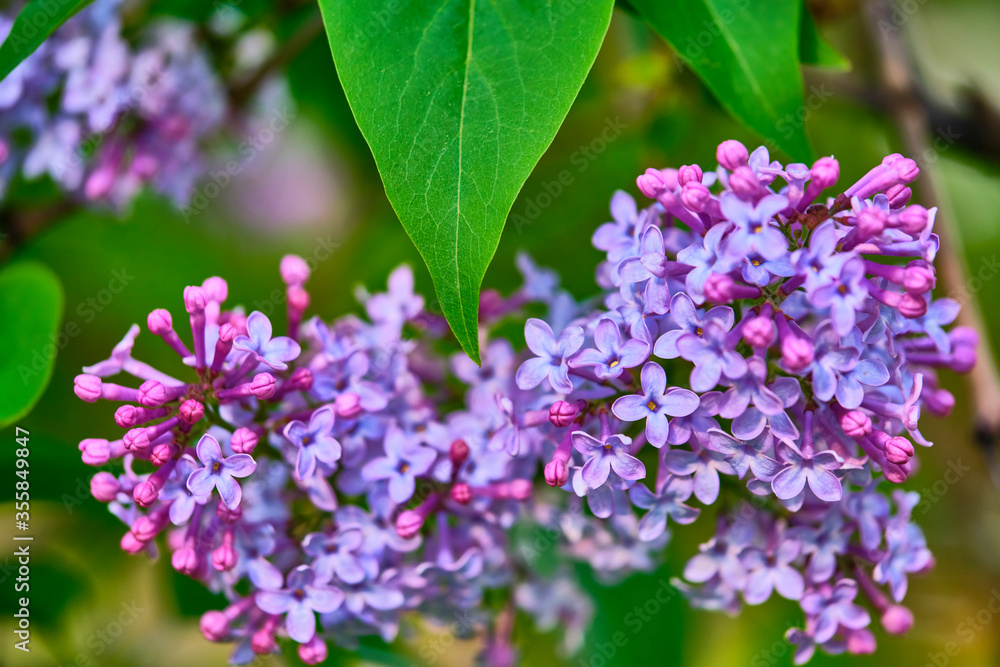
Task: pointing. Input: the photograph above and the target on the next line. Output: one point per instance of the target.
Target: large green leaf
(815, 50)
(747, 53)
(31, 300)
(458, 100)
(33, 25)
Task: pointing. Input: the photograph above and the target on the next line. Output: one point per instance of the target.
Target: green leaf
(31, 300)
(747, 54)
(458, 99)
(815, 50)
(33, 25)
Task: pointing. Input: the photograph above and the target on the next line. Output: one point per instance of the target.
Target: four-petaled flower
(606, 455)
(669, 502)
(552, 356)
(218, 472)
(405, 459)
(611, 356)
(272, 352)
(655, 403)
(800, 469)
(313, 441)
(304, 597)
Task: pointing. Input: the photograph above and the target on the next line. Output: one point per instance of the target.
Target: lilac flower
(824, 544)
(750, 455)
(603, 456)
(688, 321)
(273, 352)
(300, 601)
(176, 490)
(218, 472)
(399, 304)
(844, 296)
(705, 465)
(706, 258)
(712, 356)
(652, 268)
(837, 370)
(340, 555)
(835, 607)
(619, 237)
(773, 571)
(313, 441)
(754, 233)
(552, 356)
(611, 356)
(906, 552)
(819, 264)
(404, 461)
(669, 502)
(769, 403)
(800, 469)
(655, 403)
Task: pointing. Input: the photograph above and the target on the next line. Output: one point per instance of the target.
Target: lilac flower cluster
(332, 480)
(104, 118)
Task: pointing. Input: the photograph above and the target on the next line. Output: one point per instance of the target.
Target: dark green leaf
(815, 50)
(747, 54)
(31, 300)
(458, 100)
(33, 25)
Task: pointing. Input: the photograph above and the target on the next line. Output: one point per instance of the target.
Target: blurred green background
(316, 186)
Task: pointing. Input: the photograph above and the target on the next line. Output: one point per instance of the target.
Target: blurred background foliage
(316, 186)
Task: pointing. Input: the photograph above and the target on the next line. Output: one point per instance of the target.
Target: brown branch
(914, 124)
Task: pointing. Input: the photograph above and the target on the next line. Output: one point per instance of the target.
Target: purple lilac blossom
(803, 343)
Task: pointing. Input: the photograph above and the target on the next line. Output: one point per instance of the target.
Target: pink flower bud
(409, 523)
(556, 473)
(897, 619)
(719, 288)
(898, 450)
(856, 424)
(214, 626)
(191, 411)
(95, 451)
(520, 489)
(224, 558)
(104, 487)
(913, 220)
(825, 172)
(195, 299)
(689, 173)
(796, 353)
(963, 359)
(145, 493)
(136, 440)
(130, 544)
(911, 306)
(263, 386)
(186, 561)
(732, 154)
(244, 440)
(695, 196)
(159, 322)
(216, 289)
(87, 387)
(460, 493)
(744, 182)
(898, 195)
(871, 222)
(294, 270)
(652, 183)
(919, 278)
(152, 394)
(227, 515)
(348, 405)
(161, 453)
(562, 413)
(458, 452)
(758, 332)
(314, 651)
(861, 642)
